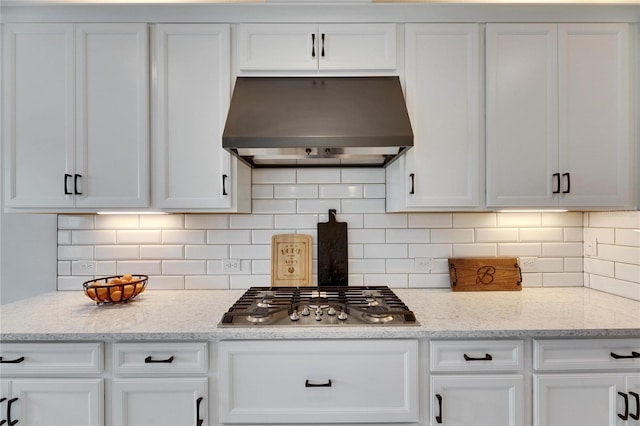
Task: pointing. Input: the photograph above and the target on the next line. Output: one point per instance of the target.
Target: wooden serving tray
(485, 274)
(291, 260)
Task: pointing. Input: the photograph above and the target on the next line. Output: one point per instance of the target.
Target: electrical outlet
(529, 264)
(423, 264)
(591, 248)
(87, 267)
(231, 265)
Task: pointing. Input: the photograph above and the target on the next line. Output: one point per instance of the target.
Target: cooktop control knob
(331, 311)
(305, 312)
(294, 316)
(318, 316)
(342, 316)
(319, 312)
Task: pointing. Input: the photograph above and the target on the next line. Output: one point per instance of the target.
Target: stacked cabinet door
(192, 95)
(76, 116)
(443, 100)
(558, 129)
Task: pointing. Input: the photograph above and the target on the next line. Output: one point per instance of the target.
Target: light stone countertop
(194, 315)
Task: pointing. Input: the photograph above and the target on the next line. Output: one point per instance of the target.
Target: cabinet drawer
(50, 359)
(160, 358)
(586, 354)
(476, 355)
(318, 381)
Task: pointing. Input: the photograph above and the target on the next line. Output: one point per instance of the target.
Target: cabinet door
(443, 99)
(112, 149)
(357, 46)
(192, 98)
(594, 103)
(38, 114)
(522, 115)
(58, 402)
(477, 400)
(577, 400)
(278, 47)
(159, 402)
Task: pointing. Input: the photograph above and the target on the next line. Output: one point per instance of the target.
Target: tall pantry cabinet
(558, 115)
(75, 116)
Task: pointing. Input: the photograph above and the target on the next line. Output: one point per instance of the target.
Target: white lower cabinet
(586, 382)
(478, 382)
(51, 384)
(318, 381)
(160, 384)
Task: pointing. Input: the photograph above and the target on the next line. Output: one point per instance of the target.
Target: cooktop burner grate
(318, 306)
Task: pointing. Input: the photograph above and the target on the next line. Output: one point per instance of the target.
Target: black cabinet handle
(635, 416)
(11, 361)
(149, 360)
(1, 401)
(224, 184)
(66, 180)
(439, 416)
(486, 357)
(313, 45)
(624, 416)
(568, 176)
(199, 421)
(308, 384)
(9, 421)
(634, 354)
(413, 187)
(322, 52)
(75, 184)
(556, 179)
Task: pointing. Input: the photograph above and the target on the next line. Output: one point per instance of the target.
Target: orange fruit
(127, 277)
(116, 294)
(128, 291)
(102, 294)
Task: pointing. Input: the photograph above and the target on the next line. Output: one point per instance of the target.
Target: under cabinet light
(533, 211)
(143, 212)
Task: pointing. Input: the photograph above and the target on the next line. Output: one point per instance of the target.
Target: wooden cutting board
(291, 260)
(333, 257)
(485, 274)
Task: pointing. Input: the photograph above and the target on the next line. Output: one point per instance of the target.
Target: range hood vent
(317, 121)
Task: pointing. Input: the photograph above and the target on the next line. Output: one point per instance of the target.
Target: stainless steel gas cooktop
(318, 306)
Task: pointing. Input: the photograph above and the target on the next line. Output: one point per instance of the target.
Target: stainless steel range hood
(317, 121)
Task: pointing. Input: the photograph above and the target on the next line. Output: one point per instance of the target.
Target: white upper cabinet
(316, 47)
(558, 106)
(191, 98)
(443, 92)
(76, 116)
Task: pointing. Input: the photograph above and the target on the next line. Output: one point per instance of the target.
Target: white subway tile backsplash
(261, 266)
(139, 237)
(369, 205)
(443, 251)
(513, 219)
(161, 252)
(194, 236)
(184, 267)
(601, 235)
(630, 290)
(391, 280)
(627, 237)
(71, 283)
(474, 220)
(623, 254)
(354, 251)
(452, 235)
(573, 234)
(106, 267)
(385, 220)
(500, 235)
(363, 175)
(433, 220)
(630, 220)
(520, 249)
(208, 251)
(366, 236)
(562, 249)
(250, 251)
(566, 219)
(295, 191)
(475, 250)
(64, 267)
(599, 267)
(417, 236)
(206, 221)
(385, 251)
(165, 282)
(303, 221)
(567, 279)
(400, 266)
(246, 281)
(75, 222)
(145, 267)
(264, 236)
(541, 234)
(206, 282)
(374, 190)
(93, 237)
(318, 206)
(573, 264)
(117, 221)
(162, 221)
(119, 252)
(75, 252)
(341, 191)
(64, 237)
(248, 221)
(627, 272)
(266, 176)
(429, 281)
(312, 175)
(229, 236)
(551, 264)
(274, 206)
(261, 192)
(366, 266)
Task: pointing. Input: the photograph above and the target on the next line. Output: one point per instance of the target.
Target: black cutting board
(333, 269)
